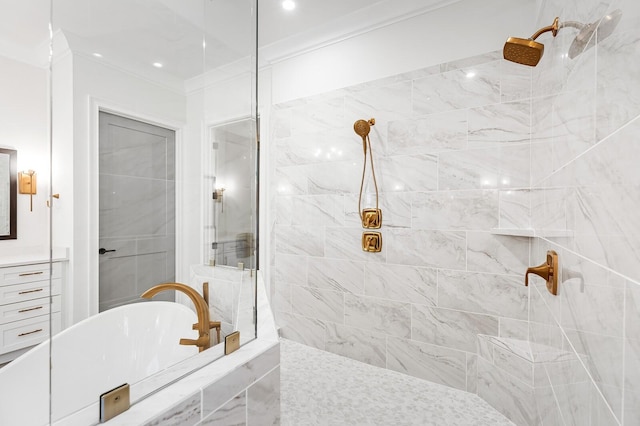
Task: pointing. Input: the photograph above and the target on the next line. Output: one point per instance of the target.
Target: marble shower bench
(527, 381)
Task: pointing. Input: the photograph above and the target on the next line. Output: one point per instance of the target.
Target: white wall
(462, 30)
(24, 127)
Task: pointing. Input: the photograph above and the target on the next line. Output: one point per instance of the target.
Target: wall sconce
(27, 185)
(218, 196)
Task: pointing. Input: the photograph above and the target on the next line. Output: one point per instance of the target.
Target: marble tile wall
(461, 149)
(451, 152)
(585, 122)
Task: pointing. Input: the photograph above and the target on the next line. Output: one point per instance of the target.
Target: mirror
(8, 191)
(180, 67)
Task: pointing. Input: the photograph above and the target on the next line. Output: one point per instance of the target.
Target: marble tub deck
(321, 388)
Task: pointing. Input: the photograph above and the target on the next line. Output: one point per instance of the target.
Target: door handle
(103, 251)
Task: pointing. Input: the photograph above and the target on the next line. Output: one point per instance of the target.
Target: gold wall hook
(548, 271)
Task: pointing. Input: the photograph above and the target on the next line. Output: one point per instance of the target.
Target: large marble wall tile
(453, 329)
(515, 81)
(382, 316)
(500, 295)
(439, 249)
(514, 329)
(573, 125)
(395, 206)
(605, 213)
(301, 329)
(336, 177)
(632, 354)
(447, 210)
(281, 297)
(263, 400)
(291, 180)
(346, 243)
(323, 115)
(603, 357)
(290, 268)
(472, 373)
(515, 209)
(462, 88)
(319, 304)
(429, 362)
(506, 394)
(498, 124)
(476, 60)
(435, 133)
(548, 408)
(233, 412)
(298, 240)
(283, 209)
(358, 344)
(401, 283)
(407, 173)
(318, 147)
(497, 253)
(336, 274)
(318, 210)
(501, 167)
(618, 83)
(588, 305)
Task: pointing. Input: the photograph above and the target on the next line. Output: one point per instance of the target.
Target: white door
(136, 210)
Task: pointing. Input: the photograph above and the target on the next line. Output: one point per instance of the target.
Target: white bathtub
(122, 345)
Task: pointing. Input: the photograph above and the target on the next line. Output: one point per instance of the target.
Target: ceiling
(133, 34)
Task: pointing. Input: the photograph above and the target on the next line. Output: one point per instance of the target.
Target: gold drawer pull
(29, 309)
(31, 291)
(30, 332)
(31, 273)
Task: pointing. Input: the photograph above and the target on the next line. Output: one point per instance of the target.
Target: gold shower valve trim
(372, 242)
(371, 218)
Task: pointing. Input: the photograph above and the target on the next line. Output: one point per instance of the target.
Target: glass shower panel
(27, 286)
(137, 89)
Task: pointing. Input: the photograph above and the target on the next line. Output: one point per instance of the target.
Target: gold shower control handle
(548, 271)
(372, 242)
(371, 218)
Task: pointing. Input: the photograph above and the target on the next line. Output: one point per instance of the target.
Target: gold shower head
(527, 51)
(362, 128)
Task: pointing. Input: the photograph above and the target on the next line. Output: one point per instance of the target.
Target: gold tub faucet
(202, 309)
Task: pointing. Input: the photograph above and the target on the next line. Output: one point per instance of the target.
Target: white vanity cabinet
(29, 292)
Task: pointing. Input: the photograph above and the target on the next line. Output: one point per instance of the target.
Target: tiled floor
(320, 388)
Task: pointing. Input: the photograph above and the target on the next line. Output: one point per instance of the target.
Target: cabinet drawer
(28, 291)
(28, 273)
(29, 332)
(29, 309)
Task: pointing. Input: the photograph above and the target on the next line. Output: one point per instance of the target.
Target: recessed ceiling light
(471, 74)
(97, 55)
(288, 5)
(157, 65)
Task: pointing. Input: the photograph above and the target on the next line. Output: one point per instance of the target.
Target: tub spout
(202, 309)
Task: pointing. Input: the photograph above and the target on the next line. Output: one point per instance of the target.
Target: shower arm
(553, 28)
(556, 26)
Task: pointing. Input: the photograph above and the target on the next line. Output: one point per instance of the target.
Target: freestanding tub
(121, 345)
